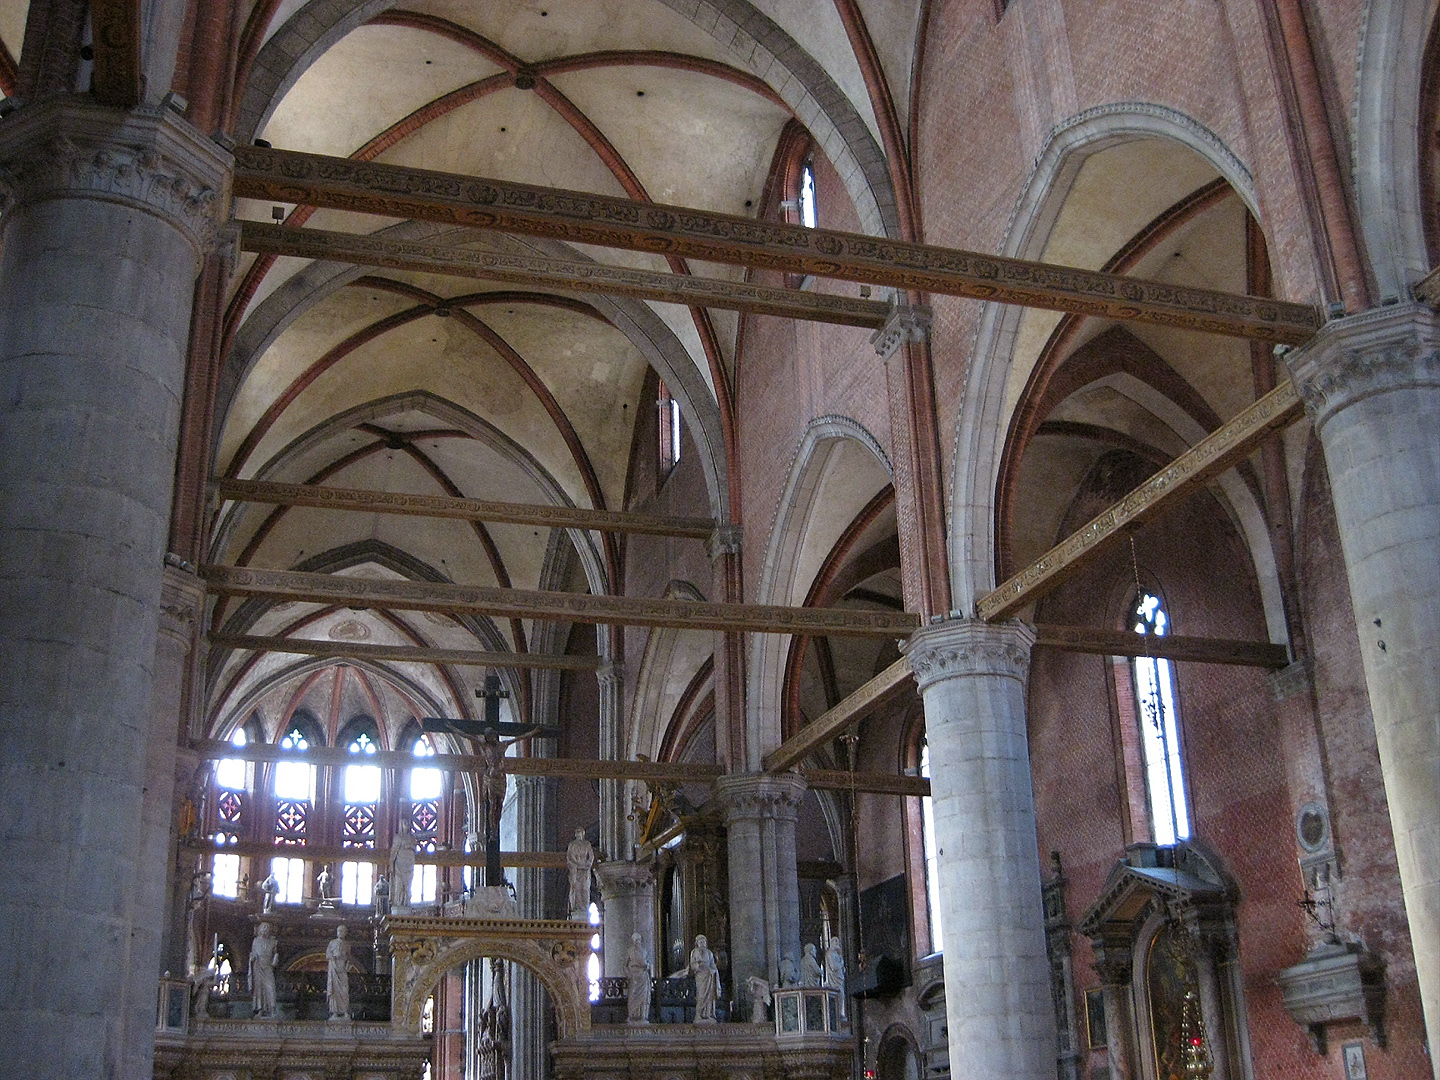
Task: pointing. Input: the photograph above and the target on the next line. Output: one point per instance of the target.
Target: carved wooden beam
(582, 217)
(444, 506)
(1207, 459)
(405, 654)
(381, 856)
(116, 30)
(542, 273)
(870, 783)
(1084, 639)
(833, 721)
(290, 585)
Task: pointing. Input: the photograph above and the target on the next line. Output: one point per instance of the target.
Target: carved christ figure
(491, 751)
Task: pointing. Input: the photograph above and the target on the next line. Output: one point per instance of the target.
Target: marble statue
(640, 974)
(261, 975)
(811, 972)
(835, 965)
(759, 999)
(789, 971)
(580, 857)
(201, 983)
(200, 885)
(402, 869)
(269, 890)
(337, 976)
(707, 980)
(322, 881)
(382, 896)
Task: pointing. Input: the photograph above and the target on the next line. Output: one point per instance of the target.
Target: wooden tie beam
(445, 506)
(115, 27)
(582, 217)
(1081, 639)
(572, 276)
(404, 654)
(291, 585)
(380, 856)
(1211, 456)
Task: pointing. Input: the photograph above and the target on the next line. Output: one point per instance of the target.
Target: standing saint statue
(200, 884)
(835, 965)
(789, 971)
(707, 980)
(759, 999)
(640, 974)
(201, 983)
(322, 881)
(811, 972)
(261, 975)
(402, 869)
(269, 890)
(382, 896)
(337, 976)
(580, 857)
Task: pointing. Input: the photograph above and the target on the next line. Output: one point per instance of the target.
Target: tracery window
(1159, 722)
(361, 790)
(232, 784)
(294, 792)
(667, 426)
(932, 853)
(805, 196)
(427, 785)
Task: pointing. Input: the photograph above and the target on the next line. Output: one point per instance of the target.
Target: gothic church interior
(690, 538)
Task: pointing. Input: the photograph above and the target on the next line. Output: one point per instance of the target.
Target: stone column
(726, 587)
(182, 599)
(628, 890)
(1113, 963)
(614, 828)
(972, 676)
(534, 813)
(1371, 385)
(107, 219)
(760, 814)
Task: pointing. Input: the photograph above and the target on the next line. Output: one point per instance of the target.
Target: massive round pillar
(1371, 385)
(107, 216)
(972, 676)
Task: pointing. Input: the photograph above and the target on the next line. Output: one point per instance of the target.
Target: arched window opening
(592, 966)
(806, 194)
(362, 793)
(1159, 722)
(932, 853)
(426, 787)
(232, 783)
(294, 798)
(667, 427)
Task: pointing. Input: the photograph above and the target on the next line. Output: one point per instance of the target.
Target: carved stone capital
(725, 540)
(1387, 349)
(970, 647)
(148, 158)
(758, 795)
(610, 675)
(621, 878)
(905, 322)
(182, 598)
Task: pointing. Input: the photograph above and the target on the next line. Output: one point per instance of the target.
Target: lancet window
(361, 787)
(1159, 723)
(427, 785)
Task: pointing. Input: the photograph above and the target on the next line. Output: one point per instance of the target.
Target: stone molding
(904, 322)
(148, 158)
(182, 597)
(758, 795)
(1376, 352)
(957, 648)
(725, 540)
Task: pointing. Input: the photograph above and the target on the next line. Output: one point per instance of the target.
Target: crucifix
(490, 748)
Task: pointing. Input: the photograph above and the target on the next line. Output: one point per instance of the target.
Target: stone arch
(753, 37)
(423, 954)
(646, 725)
(766, 668)
(1386, 136)
(267, 320)
(981, 428)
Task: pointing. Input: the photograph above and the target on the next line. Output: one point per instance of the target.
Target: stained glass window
(294, 792)
(362, 792)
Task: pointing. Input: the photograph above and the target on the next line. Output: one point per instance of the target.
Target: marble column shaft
(614, 828)
(972, 676)
(107, 218)
(628, 890)
(760, 813)
(1371, 385)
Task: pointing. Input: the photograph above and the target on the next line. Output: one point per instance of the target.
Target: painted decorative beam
(1085, 639)
(866, 783)
(381, 856)
(444, 506)
(1208, 458)
(542, 273)
(833, 721)
(292, 585)
(582, 217)
(115, 25)
(405, 654)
